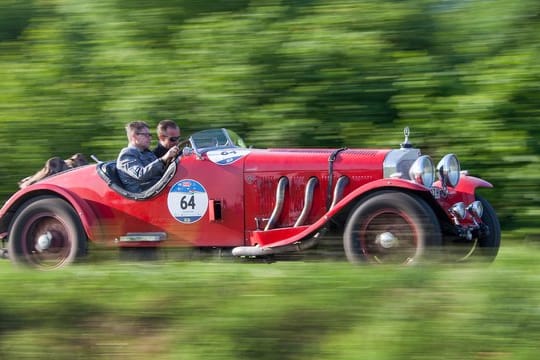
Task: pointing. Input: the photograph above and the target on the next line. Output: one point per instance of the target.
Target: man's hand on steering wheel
(170, 155)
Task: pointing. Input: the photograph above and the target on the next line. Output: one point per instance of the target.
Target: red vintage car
(379, 205)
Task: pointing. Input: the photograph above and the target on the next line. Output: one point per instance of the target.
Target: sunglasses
(173, 138)
(145, 134)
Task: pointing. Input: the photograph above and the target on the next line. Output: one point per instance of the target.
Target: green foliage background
(464, 75)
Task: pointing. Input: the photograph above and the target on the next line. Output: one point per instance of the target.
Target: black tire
(391, 227)
(46, 234)
(487, 247)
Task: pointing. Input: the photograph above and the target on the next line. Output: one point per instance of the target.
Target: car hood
(313, 159)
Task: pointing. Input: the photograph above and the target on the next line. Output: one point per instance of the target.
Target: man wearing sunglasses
(168, 134)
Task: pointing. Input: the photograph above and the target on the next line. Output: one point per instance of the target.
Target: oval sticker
(187, 201)
(226, 156)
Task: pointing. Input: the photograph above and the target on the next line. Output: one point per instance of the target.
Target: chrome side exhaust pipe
(280, 199)
(342, 182)
(308, 201)
(256, 251)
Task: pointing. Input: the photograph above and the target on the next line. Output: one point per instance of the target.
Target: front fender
(282, 237)
(88, 217)
(376, 185)
(468, 184)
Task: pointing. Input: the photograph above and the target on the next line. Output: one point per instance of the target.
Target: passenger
(52, 166)
(168, 134)
(138, 167)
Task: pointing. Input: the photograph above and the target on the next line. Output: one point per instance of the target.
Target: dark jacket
(138, 170)
(160, 150)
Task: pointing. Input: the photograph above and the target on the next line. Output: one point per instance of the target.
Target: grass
(285, 310)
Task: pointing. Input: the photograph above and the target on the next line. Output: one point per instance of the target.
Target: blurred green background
(285, 310)
(463, 75)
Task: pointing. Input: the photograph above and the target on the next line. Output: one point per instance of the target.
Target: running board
(143, 237)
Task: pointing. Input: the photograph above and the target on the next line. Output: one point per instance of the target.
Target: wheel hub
(44, 241)
(387, 240)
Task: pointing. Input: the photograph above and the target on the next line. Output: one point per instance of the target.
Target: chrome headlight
(422, 171)
(476, 208)
(459, 210)
(448, 170)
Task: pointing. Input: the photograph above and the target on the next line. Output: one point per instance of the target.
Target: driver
(168, 134)
(138, 167)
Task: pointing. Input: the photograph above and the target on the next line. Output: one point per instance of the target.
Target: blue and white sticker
(187, 201)
(226, 156)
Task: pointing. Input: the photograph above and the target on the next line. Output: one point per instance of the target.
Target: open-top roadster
(382, 205)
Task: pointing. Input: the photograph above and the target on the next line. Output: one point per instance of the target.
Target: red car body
(256, 203)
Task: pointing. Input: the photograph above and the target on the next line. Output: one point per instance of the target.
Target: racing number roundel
(187, 201)
(226, 156)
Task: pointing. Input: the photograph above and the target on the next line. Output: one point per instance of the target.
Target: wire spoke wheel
(391, 228)
(388, 237)
(46, 234)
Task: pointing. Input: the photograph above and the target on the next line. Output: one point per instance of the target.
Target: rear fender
(88, 217)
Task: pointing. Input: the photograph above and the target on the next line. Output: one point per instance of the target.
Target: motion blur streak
(300, 310)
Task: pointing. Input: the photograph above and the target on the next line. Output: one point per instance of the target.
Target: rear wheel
(391, 227)
(46, 233)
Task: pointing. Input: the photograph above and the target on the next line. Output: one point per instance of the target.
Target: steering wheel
(183, 144)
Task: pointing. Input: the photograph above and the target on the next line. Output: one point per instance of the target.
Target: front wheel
(391, 227)
(486, 247)
(46, 233)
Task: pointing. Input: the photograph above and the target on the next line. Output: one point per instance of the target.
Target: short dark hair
(135, 126)
(164, 125)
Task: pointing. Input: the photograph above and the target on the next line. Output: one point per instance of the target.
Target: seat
(107, 171)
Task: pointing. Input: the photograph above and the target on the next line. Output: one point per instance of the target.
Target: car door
(204, 201)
